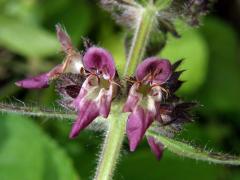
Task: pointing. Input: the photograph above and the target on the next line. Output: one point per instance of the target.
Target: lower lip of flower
(104, 83)
(144, 89)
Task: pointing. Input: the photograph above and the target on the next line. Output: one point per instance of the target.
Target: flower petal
(156, 148)
(98, 60)
(91, 102)
(64, 39)
(133, 98)
(40, 81)
(88, 86)
(104, 100)
(88, 111)
(138, 122)
(159, 69)
(37, 82)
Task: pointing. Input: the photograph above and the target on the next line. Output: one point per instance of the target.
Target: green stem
(144, 27)
(116, 130)
(111, 149)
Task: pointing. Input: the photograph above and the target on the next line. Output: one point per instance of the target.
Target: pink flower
(145, 97)
(97, 91)
(72, 63)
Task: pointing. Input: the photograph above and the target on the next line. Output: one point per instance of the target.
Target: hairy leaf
(187, 150)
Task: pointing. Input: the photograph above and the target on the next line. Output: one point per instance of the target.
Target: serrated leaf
(186, 150)
(27, 153)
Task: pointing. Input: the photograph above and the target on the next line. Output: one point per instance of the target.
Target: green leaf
(27, 39)
(27, 11)
(221, 91)
(193, 48)
(144, 164)
(54, 113)
(77, 21)
(27, 153)
(186, 150)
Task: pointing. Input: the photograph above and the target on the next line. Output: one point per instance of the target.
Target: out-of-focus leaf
(193, 48)
(27, 40)
(51, 8)
(142, 165)
(27, 153)
(22, 10)
(77, 20)
(74, 15)
(221, 91)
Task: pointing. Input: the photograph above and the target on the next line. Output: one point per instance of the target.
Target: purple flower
(97, 91)
(40, 81)
(145, 97)
(91, 97)
(156, 147)
(72, 63)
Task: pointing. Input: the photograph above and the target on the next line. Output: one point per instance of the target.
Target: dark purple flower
(85, 83)
(97, 91)
(98, 60)
(145, 97)
(153, 70)
(72, 63)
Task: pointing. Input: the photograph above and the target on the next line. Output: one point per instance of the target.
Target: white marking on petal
(151, 104)
(75, 65)
(156, 93)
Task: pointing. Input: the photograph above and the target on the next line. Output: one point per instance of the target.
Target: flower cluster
(88, 83)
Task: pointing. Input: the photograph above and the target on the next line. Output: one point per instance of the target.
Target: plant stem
(111, 149)
(144, 27)
(116, 130)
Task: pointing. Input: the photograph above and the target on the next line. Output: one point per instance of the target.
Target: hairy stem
(116, 130)
(111, 148)
(47, 113)
(144, 27)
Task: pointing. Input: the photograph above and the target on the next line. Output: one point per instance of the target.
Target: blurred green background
(36, 149)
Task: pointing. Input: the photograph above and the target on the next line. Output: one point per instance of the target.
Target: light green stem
(116, 131)
(111, 149)
(144, 27)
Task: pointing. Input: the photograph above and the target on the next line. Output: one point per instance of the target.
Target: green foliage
(27, 39)
(27, 153)
(170, 167)
(75, 16)
(193, 48)
(221, 90)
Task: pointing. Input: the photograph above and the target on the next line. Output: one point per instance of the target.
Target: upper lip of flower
(153, 70)
(100, 62)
